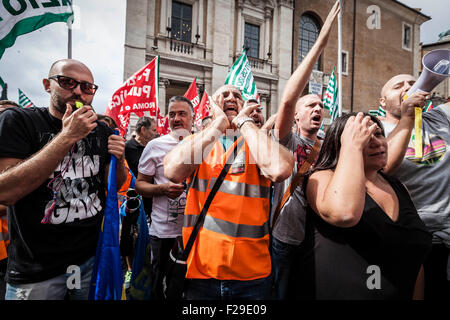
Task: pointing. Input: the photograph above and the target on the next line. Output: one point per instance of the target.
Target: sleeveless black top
(378, 258)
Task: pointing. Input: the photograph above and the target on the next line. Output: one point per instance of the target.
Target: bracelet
(244, 120)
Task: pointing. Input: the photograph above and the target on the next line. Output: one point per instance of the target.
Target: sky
(98, 38)
(98, 41)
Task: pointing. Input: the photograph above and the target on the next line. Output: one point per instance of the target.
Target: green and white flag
(330, 99)
(18, 17)
(241, 76)
(2, 84)
(24, 101)
(378, 113)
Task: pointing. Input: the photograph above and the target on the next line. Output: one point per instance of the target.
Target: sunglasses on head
(69, 83)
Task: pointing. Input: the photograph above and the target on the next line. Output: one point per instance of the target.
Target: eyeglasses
(69, 83)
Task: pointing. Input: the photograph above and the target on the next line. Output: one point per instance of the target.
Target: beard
(60, 103)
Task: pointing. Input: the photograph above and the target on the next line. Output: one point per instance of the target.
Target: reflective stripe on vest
(231, 187)
(233, 242)
(228, 228)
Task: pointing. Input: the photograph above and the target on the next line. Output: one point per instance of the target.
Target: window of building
(309, 31)
(344, 60)
(251, 40)
(407, 36)
(181, 21)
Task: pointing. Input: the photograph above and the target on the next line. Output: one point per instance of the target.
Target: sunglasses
(69, 83)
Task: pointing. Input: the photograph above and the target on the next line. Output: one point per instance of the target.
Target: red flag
(138, 94)
(192, 94)
(201, 111)
(163, 125)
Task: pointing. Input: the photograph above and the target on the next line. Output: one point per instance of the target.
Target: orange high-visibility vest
(233, 243)
(4, 237)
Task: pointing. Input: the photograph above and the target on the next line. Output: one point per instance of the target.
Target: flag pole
(340, 60)
(69, 35)
(69, 39)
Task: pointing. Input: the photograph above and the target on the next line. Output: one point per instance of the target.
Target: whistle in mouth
(78, 104)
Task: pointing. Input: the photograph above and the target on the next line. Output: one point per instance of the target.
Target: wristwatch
(242, 121)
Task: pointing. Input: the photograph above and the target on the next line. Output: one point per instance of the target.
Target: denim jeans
(55, 288)
(213, 289)
(284, 258)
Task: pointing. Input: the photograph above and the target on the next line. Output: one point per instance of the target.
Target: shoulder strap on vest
(298, 178)
(208, 201)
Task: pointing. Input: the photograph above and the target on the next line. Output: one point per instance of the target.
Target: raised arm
(300, 78)
(18, 178)
(274, 160)
(339, 196)
(182, 161)
(399, 138)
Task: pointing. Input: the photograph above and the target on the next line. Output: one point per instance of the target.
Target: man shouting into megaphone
(427, 177)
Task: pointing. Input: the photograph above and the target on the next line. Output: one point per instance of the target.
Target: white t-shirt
(167, 214)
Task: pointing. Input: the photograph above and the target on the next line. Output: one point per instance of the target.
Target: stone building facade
(374, 45)
(202, 38)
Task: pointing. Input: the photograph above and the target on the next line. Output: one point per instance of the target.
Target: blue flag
(107, 277)
(140, 288)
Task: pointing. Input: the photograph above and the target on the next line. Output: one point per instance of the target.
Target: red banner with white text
(138, 94)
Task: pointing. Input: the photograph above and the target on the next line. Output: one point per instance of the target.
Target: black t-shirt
(346, 263)
(133, 152)
(37, 251)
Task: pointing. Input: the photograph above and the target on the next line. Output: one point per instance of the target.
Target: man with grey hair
(168, 198)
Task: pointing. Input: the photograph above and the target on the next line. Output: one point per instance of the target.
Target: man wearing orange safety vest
(230, 257)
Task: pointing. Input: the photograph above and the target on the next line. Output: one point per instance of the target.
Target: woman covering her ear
(364, 238)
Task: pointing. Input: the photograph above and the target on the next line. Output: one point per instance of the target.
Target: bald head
(392, 93)
(229, 98)
(309, 115)
(306, 100)
(59, 66)
(395, 80)
(62, 94)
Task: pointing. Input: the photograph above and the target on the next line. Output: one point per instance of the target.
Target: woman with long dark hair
(364, 237)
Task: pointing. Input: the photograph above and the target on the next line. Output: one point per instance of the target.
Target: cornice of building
(424, 16)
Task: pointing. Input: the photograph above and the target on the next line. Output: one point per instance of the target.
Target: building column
(283, 47)
(135, 37)
(221, 49)
(163, 84)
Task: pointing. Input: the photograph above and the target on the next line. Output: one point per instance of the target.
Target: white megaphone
(436, 68)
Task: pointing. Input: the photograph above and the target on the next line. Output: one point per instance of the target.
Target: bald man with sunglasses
(54, 165)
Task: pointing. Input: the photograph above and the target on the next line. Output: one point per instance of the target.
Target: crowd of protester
(290, 214)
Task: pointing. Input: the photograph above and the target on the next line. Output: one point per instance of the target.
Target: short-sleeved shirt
(133, 152)
(167, 214)
(290, 227)
(428, 178)
(37, 251)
